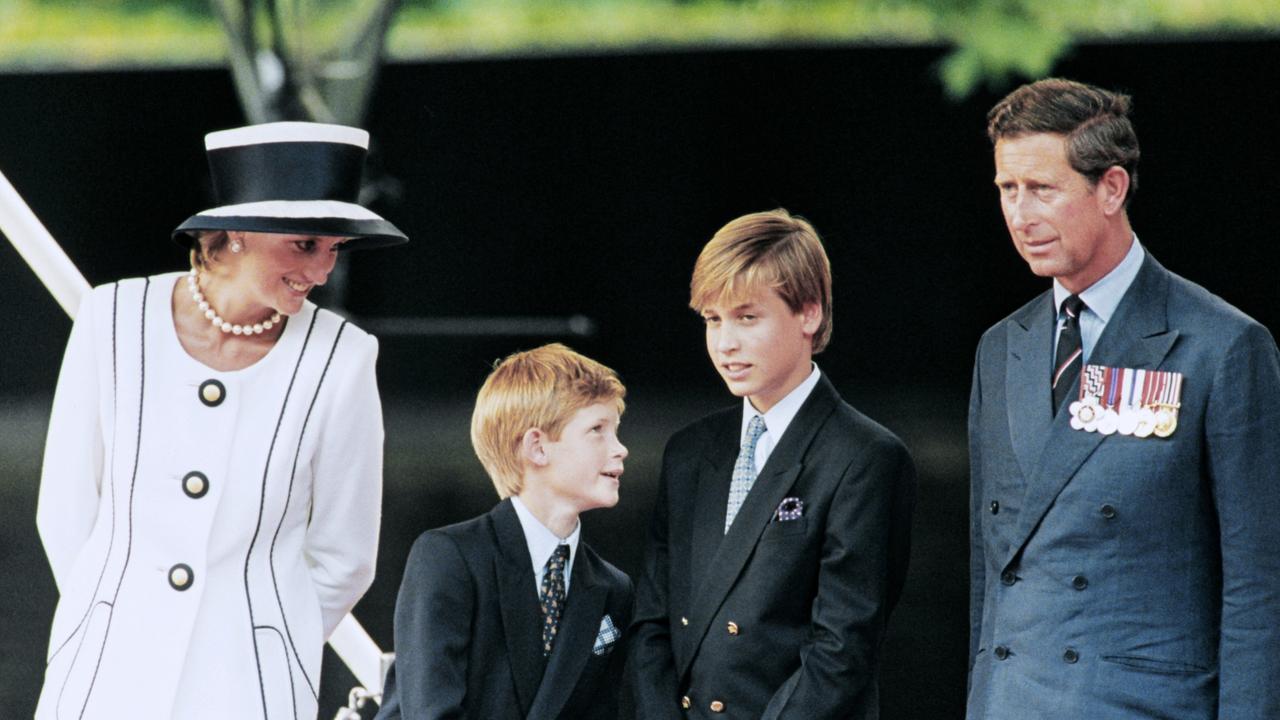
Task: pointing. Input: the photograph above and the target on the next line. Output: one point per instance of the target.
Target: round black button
(1008, 578)
(181, 577)
(212, 393)
(995, 507)
(1079, 582)
(1001, 652)
(1070, 656)
(195, 484)
(1108, 511)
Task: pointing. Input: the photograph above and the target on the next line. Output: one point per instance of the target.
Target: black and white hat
(298, 178)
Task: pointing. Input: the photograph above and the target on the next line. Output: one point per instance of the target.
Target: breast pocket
(781, 529)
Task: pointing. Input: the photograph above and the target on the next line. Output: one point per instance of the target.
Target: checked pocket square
(607, 637)
(791, 508)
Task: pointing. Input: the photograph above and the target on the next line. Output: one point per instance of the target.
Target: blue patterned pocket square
(607, 637)
(791, 508)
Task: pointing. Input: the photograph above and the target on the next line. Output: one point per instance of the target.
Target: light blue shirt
(542, 543)
(778, 417)
(1100, 299)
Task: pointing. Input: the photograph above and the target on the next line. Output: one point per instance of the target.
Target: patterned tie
(551, 596)
(1066, 365)
(744, 470)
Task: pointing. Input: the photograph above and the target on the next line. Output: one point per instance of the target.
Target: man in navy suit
(509, 616)
(779, 540)
(1124, 432)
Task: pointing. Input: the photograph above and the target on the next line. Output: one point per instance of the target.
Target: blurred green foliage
(992, 41)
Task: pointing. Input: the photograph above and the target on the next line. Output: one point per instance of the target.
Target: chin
(605, 500)
(290, 308)
(1043, 269)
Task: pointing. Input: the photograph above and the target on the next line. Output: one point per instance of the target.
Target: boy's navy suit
(468, 630)
(1123, 577)
(784, 615)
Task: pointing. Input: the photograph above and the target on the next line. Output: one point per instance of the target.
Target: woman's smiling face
(278, 271)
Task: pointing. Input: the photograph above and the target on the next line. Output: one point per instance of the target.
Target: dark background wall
(556, 186)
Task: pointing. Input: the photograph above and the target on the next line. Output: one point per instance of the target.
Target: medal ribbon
(1132, 388)
(1113, 382)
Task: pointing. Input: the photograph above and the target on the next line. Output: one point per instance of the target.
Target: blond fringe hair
(774, 250)
(540, 388)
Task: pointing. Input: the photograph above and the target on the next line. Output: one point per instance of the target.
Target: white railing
(60, 276)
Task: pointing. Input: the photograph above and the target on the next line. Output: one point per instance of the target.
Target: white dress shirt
(1100, 299)
(777, 418)
(542, 544)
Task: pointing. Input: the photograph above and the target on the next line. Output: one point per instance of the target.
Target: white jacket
(205, 540)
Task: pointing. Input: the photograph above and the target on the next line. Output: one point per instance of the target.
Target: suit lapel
(772, 484)
(521, 617)
(1028, 368)
(579, 625)
(715, 473)
(1138, 336)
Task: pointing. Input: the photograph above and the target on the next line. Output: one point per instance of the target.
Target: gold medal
(1166, 422)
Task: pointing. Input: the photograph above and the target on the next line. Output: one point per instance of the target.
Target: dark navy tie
(1069, 358)
(551, 596)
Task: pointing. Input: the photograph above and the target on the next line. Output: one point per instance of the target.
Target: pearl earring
(236, 246)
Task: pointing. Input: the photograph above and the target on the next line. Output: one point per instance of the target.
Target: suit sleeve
(1242, 432)
(432, 632)
(342, 539)
(977, 555)
(864, 561)
(71, 475)
(651, 663)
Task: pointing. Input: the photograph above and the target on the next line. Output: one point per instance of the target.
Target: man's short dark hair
(1094, 121)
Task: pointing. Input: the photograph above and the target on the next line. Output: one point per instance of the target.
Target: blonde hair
(540, 388)
(774, 250)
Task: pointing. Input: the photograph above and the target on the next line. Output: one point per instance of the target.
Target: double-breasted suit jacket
(207, 530)
(778, 617)
(1123, 577)
(468, 630)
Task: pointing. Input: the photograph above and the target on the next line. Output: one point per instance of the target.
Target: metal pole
(34, 243)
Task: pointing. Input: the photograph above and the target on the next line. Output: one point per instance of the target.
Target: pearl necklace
(193, 284)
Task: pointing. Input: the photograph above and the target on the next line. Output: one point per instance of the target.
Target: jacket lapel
(521, 617)
(715, 473)
(1028, 368)
(579, 625)
(772, 484)
(1138, 336)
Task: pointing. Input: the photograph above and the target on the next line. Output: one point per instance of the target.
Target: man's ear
(531, 447)
(1112, 189)
(810, 318)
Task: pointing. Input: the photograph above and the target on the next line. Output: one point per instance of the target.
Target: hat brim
(300, 217)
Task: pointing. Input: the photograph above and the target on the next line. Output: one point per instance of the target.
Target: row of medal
(1128, 401)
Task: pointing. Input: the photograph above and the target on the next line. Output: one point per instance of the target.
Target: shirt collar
(1104, 296)
(782, 413)
(541, 541)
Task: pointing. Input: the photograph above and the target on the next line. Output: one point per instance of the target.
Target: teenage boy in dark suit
(779, 539)
(509, 615)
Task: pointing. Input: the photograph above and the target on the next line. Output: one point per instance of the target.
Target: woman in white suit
(211, 490)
